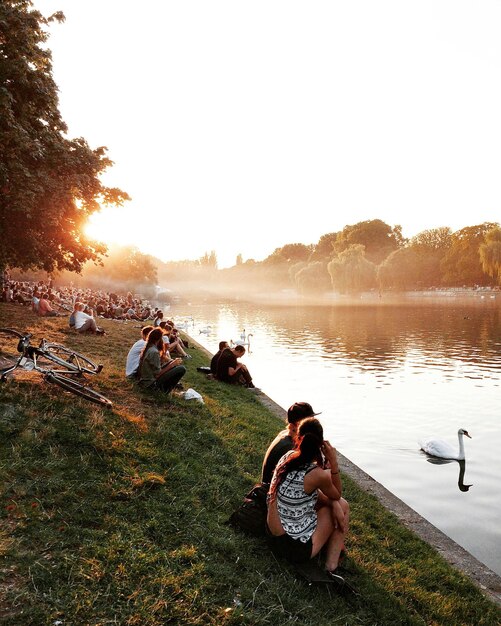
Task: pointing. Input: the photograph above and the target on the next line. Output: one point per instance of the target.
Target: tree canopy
(351, 271)
(490, 253)
(324, 249)
(49, 184)
(290, 253)
(461, 264)
(378, 238)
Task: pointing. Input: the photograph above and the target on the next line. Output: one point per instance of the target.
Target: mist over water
(386, 375)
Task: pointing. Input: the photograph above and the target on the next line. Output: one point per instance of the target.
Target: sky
(240, 126)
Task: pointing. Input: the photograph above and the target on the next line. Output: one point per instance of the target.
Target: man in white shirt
(84, 321)
(132, 363)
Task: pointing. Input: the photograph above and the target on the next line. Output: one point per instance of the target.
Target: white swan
(185, 324)
(206, 331)
(442, 449)
(243, 341)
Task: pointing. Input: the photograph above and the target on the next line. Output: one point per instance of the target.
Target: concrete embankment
(487, 580)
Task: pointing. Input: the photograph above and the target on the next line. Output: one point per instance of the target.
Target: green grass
(118, 516)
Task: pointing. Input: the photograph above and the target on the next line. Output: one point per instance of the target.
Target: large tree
(461, 264)
(429, 248)
(324, 249)
(351, 272)
(378, 238)
(49, 183)
(399, 270)
(490, 253)
(290, 253)
(313, 279)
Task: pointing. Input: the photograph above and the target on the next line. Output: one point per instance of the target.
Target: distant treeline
(363, 256)
(360, 257)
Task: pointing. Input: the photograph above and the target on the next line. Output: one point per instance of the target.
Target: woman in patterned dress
(305, 509)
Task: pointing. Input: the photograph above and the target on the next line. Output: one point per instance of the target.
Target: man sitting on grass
(215, 358)
(85, 322)
(229, 370)
(284, 441)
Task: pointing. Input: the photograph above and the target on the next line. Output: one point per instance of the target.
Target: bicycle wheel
(6, 332)
(10, 346)
(77, 388)
(69, 359)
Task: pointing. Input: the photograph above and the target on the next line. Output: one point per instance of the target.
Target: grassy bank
(117, 516)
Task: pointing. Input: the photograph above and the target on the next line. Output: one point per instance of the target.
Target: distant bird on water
(443, 450)
(243, 341)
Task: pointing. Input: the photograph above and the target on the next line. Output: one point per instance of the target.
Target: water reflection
(384, 338)
(462, 469)
(382, 376)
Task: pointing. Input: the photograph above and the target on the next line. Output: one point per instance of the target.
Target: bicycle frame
(31, 354)
(76, 365)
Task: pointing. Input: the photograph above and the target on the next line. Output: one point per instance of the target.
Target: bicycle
(57, 364)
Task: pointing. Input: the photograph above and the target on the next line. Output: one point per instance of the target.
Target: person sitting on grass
(284, 441)
(305, 509)
(159, 317)
(35, 301)
(85, 322)
(173, 344)
(134, 355)
(176, 335)
(44, 308)
(154, 375)
(229, 370)
(215, 358)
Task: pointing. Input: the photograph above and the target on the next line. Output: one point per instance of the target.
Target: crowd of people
(47, 300)
(306, 510)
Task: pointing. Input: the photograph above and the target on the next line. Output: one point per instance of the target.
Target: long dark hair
(154, 337)
(307, 449)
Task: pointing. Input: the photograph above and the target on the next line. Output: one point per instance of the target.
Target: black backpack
(250, 517)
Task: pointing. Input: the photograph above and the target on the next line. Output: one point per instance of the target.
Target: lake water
(384, 376)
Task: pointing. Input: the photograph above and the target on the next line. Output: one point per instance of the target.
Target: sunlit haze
(240, 127)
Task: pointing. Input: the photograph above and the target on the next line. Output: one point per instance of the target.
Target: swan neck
(461, 446)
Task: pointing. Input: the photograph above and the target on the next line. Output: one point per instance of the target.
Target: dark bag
(250, 517)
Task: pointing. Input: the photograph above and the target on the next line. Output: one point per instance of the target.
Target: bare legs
(332, 527)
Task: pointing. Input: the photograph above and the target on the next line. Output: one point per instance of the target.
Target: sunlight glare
(100, 227)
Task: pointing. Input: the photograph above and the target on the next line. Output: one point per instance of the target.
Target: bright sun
(127, 226)
(121, 226)
(109, 226)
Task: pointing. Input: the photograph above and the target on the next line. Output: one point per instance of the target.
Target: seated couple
(225, 367)
(306, 511)
(150, 362)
